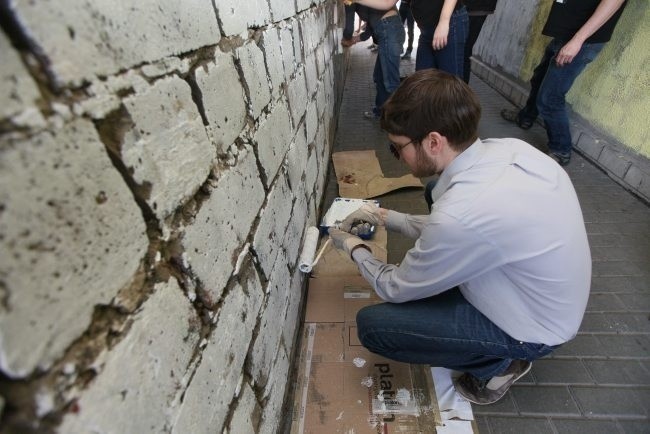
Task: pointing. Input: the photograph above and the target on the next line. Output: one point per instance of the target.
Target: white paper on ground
(451, 404)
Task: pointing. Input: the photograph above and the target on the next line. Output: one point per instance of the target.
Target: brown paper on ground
(359, 176)
(335, 262)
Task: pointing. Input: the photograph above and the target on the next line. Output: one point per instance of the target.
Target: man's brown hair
(432, 100)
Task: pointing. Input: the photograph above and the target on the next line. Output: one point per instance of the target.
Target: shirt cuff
(395, 221)
(361, 254)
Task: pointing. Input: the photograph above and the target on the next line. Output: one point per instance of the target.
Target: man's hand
(568, 52)
(346, 242)
(367, 213)
(348, 2)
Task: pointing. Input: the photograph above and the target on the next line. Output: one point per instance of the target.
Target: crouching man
(500, 271)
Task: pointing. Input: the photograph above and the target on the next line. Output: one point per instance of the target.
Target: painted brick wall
(159, 163)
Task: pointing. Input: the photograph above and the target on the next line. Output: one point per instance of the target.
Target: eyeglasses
(396, 149)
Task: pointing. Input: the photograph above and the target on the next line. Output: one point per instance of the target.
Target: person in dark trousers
(478, 10)
(580, 29)
(499, 273)
(388, 31)
(407, 17)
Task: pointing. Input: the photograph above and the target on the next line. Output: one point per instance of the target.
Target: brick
(590, 146)
(636, 302)
(544, 400)
(571, 426)
(223, 99)
(274, 393)
(271, 47)
(311, 76)
(288, 55)
(267, 345)
(618, 372)
(247, 412)
(272, 225)
(615, 323)
(614, 161)
(301, 5)
(292, 240)
(17, 89)
(273, 139)
(635, 426)
(221, 226)
(238, 16)
(167, 146)
(609, 401)
(71, 236)
(213, 386)
(297, 41)
(297, 95)
(297, 161)
(555, 371)
(294, 309)
(637, 179)
(623, 346)
(88, 39)
(282, 9)
(604, 303)
(251, 59)
(617, 268)
(311, 121)
(145, 367)
(511, 425)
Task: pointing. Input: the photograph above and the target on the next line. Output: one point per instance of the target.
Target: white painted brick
(297, 160)
(273, 138)
(282, 9)
(84, 38)
(301, 5)
(145, 368)
(311, 172)
(297, 40)
(311, 120)
(251, 59)
(222, 224)
(167, 147)
(311, 75)
(293, 309)
(237, 16)
(70, 237)
(247, 413)
(268, 341)
(17, 89)
(292, 240)
(213, 386)
(321, 101)
(273, 224)
(288, 56)
(223, 99)
(166, 66)
(274, 392)
(297, 94)
(273, 54)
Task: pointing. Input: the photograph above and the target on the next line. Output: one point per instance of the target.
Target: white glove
(345, 241)
(367, 213)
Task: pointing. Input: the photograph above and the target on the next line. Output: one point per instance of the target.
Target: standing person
(443, 28)
(478, 10)
(407, 17)
(500, 270)
(580, 29)
(388, 32)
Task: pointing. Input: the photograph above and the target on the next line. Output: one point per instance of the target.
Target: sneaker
(373, 47)
(485, 392)
(562, 160)
(370, 115)
(406, 55)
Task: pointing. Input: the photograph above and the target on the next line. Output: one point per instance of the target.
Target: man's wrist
(358, 246)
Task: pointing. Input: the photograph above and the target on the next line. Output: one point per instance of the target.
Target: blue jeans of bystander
(389, 33)
(549, 86)
(451, 58)
(444, 330)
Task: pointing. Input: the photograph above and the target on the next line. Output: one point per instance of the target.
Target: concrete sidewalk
(600, 381)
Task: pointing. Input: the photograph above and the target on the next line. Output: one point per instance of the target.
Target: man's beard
(423, 166)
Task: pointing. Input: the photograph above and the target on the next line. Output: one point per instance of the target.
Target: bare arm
(442, 28)
(604, 11)
(375, 4)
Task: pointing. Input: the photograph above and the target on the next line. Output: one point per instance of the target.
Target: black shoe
(406, 55)
(485, 392)
(513, 116)
(562, 160)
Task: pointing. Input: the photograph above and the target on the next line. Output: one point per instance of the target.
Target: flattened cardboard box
(342, 387)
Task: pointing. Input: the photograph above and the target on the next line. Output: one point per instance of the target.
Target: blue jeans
(549, 86)
(444, 330)
(389, 34)
(451, 58)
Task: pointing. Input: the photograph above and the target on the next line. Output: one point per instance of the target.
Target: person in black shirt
(406, 16)
(580, 29)
(478, 10)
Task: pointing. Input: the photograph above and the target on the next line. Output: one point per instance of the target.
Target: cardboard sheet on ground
(359, 175)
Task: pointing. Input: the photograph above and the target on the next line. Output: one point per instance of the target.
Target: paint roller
(307, 260)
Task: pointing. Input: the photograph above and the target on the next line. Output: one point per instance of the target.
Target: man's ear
(434, 142)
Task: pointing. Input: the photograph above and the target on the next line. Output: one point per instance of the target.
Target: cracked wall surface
(159, 164)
